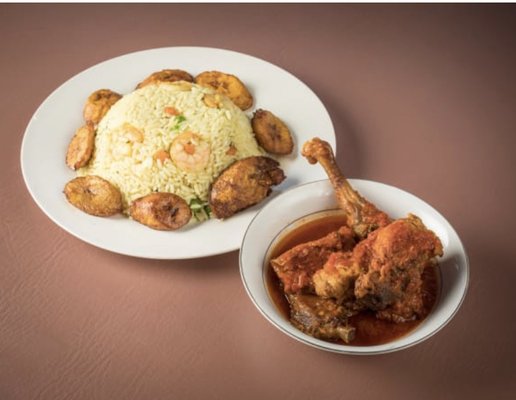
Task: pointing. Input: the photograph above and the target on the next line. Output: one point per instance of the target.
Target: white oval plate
(53, 124)
(292, 207)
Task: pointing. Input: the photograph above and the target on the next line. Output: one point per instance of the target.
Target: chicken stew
(368, 330)
(363, 279)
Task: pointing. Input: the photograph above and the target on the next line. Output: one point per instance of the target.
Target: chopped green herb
(207, 210)
(200, 209)
(179, 119)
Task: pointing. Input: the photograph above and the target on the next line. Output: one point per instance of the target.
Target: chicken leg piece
(362, 216)
(383, 271)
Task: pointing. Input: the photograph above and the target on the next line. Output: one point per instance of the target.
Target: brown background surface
(422, 97)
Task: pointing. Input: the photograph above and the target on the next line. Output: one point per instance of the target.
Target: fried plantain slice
(161, 211)
(228, 85)
(81, 147)
(98, 104)
(94, 195)
(244, 183)
(166, 75)
(272, 133)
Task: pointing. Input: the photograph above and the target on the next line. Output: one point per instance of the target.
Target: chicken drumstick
(363, 217)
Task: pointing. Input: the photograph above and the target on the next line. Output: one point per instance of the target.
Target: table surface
(423, 97)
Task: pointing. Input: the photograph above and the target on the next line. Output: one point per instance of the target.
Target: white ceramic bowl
(296, 205)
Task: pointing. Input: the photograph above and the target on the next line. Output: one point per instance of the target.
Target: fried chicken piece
(161, 211)
(392, 260)
(271, 133)
(94, 195)
(337, 277)
(296, 266)
(228, 85)
(81, 147)
(362, 216)
(391, 256)
(98, 104)
(244, 183)
(320, 318)
(166, 75)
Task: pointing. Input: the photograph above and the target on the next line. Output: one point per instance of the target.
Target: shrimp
(128, 137)
(132, 133)
(190, 152)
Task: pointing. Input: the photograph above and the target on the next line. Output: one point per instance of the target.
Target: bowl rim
(346, 349)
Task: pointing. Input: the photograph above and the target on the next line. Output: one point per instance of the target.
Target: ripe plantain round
(166, 75)
(94, 195)
(98, 104)
(228, 85)
(81, 147)
(161, 211)
(243, 184)
(271, 133)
